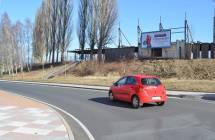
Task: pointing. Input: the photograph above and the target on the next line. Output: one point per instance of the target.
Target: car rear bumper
(150, 99)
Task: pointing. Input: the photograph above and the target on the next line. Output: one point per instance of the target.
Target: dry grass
(190, 85)
(171, 84)
(181, 69)
(89, 80)
(31, 76)
(186, 75)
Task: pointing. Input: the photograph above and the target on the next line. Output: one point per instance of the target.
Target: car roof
(143, 76)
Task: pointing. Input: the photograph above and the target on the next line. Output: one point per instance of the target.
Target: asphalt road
(106, 120)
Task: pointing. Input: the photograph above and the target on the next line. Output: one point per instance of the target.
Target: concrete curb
(185, 96)
(69, 130)
(62, 85)
(177, 94)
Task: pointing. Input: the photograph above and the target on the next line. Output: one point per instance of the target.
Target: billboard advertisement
(159, 39)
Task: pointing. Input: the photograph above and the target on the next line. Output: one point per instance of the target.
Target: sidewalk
(25, 119)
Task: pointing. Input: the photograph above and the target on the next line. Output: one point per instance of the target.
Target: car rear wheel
(111, 96)
(135, 102)
(160, 103)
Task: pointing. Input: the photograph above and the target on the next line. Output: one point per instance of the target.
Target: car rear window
(151, 81)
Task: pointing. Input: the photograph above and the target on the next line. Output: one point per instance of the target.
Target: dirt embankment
(180, 69)
(186, 75)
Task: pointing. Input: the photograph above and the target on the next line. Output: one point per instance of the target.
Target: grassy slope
(198, 75)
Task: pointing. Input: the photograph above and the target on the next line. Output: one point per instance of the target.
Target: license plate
(156, 98)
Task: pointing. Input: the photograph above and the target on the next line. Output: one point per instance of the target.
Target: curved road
(178, 119)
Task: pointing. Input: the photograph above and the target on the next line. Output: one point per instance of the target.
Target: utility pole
(120, 37)
(160, 25)
(214, 28)
(138, 34)
(185, 30)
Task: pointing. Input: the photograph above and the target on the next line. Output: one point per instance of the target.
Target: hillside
(189, 75)
(180, 69)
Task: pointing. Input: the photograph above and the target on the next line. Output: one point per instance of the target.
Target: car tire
(110, 96)
(135, 102)
(160, 103)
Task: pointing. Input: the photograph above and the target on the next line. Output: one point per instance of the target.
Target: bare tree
(64, 29)
(107, 16)
(53, 23)
(83, 16)
(2, 49)
(28, 39)
(12, 46)
(46, 10)
(19, 37)
(7, 46)
(38, 35)
(18, 30)
(56, 27)
(66, 9)
(93, 25)
(17, 43)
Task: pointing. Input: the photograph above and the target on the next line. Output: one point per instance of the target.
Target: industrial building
(156, 45)
(178, 50)
(175, 51)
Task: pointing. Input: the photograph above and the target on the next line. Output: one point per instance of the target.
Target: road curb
(185, 96)
(103, 88)
(69, 130)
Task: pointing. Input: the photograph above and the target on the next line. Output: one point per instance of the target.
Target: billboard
(159, 39)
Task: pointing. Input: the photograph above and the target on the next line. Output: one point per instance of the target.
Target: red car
(139, 89)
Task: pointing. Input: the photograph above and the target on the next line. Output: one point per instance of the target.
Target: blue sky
(199, 13)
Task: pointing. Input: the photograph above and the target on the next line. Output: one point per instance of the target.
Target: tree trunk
(53, 54)
(91, 52)
(62, 56)
(47, 55)
(8, 69)
(99, 54)
(91, 55)
(50, 54)
(57, 54)
(16, 69)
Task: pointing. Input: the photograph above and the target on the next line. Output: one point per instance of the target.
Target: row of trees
(53, 27)
(15, 43)
(49, 37)
(96, 21)
(52, 31)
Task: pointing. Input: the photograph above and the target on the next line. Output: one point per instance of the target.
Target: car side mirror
(115, 84)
